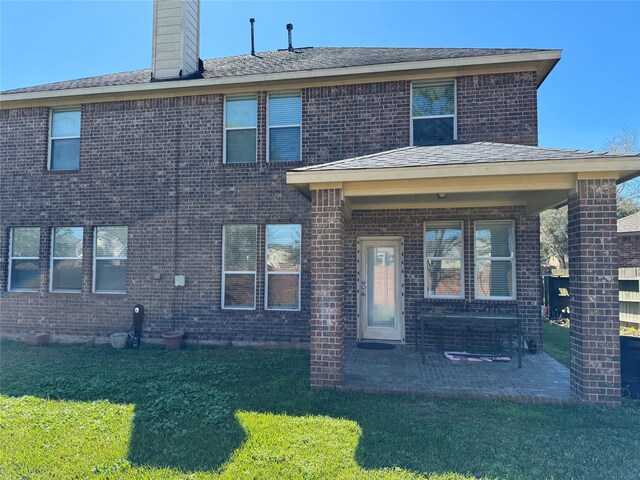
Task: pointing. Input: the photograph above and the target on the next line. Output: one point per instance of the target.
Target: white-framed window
(495, 259)
(282, 270)
(64, 139)
(110, 259)
(239, 259)
(444, 259)
(240, 129)
(24, 260)
(433, 113)
(66, 259)
(284, 138)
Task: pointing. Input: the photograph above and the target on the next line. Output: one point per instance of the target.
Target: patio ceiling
(463, 175)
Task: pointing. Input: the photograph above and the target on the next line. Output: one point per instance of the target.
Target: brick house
(315, 195)
(629, 240)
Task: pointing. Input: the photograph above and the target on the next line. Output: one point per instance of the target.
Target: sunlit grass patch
(203, 413)
(284, 446)
(42, 438)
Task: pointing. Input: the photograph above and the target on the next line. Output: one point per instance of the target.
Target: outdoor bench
(472, 322)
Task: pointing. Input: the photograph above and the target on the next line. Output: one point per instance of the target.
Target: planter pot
(119, 340)
(173, 340)
(37, 339)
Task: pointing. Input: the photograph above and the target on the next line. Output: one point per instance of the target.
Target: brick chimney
(176, 39)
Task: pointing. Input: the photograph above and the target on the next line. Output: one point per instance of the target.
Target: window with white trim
(24, 260)
(443, 257)
(285, 126)
(239, 252)
(433, 113)
(240, 124)
(64, 139)
(110, 259)
(283, 253)
(495, 259)
(66, 259)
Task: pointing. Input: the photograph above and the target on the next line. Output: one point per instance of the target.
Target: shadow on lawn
(184, 413)
(187, 402)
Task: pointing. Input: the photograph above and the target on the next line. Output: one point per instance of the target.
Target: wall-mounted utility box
(180, 281)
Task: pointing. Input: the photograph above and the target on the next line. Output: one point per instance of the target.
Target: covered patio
(542, 378)
(375, 213)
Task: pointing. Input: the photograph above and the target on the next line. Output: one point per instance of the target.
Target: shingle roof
(630, 224)
(455, 154)
(279, 61)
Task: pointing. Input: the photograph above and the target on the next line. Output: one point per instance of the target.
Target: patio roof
(464, 174)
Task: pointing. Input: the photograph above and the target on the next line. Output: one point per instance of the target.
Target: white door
(380, 288)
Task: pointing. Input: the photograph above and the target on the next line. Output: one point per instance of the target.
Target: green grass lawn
(93, 412)
(556, 342)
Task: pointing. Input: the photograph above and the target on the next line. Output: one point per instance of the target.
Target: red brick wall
(498, 108)
(409, 225)
(143, 160)
(595, 325)
(327, 288)
(629, 250)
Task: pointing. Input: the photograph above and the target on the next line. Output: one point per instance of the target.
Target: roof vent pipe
(289, 28)
(253, 49)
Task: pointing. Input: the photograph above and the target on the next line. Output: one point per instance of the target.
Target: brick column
(327, 283)
(593, 265)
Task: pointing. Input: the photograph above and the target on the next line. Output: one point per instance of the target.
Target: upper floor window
(283, 244)
(24, 259)
(285, 125)
(433, 113)
(444, 254)
(64, 140)
(110, 260)
(239, 258)
(495, 259)
(66, 259)
(240, 124)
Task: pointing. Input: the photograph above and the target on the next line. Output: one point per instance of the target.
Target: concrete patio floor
(542, 379)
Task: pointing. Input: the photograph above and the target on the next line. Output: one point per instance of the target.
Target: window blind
(239, 266)
(285, 120)
(66, 259)
(241, 117)
(24, 259)
(495, 259)
(110, 257)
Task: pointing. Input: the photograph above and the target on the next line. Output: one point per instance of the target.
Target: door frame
(400, 296)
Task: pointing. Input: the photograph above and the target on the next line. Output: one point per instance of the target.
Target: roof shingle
(282, 61)
(455, 154)
(630, 224)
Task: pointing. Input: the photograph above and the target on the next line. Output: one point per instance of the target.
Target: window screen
(239, 266)
(495, 259)
(443, 246)
(241, 117)
(64, 147)
(24, 260)
(66, 259)
(283, 267)
(433, 112)
(110, 260)
(285, 120)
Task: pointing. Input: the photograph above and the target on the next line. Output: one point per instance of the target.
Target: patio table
(495, 323)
